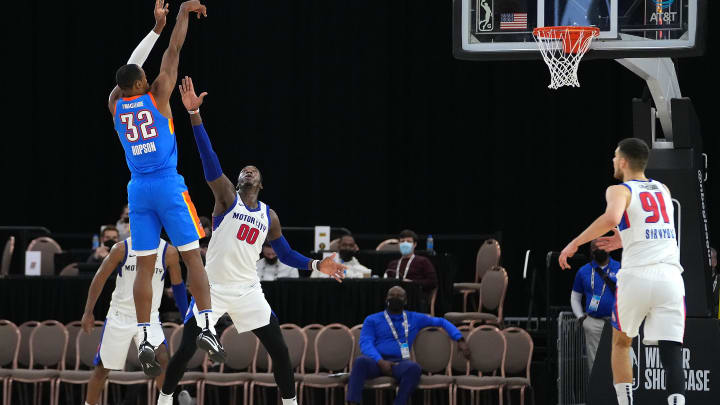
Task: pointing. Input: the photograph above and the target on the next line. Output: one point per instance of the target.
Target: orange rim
(568, 34)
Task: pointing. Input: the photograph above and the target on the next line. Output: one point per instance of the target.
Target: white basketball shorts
(246, 305)
(655, 294)
(118, 332)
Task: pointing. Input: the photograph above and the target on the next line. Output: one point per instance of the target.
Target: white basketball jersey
(122, 298)
(236, 243)
(647, 228)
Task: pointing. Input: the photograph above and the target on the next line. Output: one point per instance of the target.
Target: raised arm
(163, 85)
(222, 188)
(109, 264)
(288, 256)
(143, 49)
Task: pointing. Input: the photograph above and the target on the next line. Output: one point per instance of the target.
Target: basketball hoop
(562, 48)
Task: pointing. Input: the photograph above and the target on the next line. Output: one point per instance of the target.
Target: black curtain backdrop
(356, 113)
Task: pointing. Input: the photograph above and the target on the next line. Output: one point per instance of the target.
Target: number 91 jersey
(647, 228)
(236, 243)
(147, 136)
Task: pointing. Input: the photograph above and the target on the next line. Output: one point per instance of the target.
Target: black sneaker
(207, 342)
(146, 357)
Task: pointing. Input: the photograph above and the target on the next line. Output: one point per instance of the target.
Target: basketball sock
(142, 331)
(624, 393)
(207, 313)
(676, 399)
(293, 401)
(164, 399)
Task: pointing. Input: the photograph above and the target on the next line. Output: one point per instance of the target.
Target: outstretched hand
(333, 269)
(610, 243)
(187, 91)
(194, 6)
(566, 253)
(161, 11)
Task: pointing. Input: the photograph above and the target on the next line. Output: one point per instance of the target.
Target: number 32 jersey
(647, 228)
(236, 243)
(147, 136)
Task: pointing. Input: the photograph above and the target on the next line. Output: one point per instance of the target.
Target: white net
(563, 48)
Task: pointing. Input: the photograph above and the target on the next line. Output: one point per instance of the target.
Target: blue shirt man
(596, 281)
(589, 282)
(386, 349)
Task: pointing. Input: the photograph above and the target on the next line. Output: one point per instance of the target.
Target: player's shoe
(146, 357)
(209, 343)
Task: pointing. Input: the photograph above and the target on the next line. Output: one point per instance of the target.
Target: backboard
(502, 29)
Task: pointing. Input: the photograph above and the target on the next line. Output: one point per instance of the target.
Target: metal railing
(572, 363)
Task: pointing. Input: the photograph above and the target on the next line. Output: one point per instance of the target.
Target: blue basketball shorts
(161, 201)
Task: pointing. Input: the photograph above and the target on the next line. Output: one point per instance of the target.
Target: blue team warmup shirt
(583, 286)
(378, 342)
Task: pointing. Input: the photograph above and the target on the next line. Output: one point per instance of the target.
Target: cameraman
(108, 237)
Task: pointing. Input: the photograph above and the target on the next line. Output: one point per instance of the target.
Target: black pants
(270, 337)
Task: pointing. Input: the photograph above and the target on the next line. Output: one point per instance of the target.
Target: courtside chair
(379, 384)
(296, 342)
(48, 248)
(84, 350)
(333, 353)
(131, 375)
(433, 350)
(9, 348)
(488, 347)
(240, 350)
(26, 329)
(493, 288)
(47, 344)
(8, 250)
(517, 361)
(73, 329)
(488, 256)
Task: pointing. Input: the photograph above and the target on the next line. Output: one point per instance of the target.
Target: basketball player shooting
(157, 195)
(241, 224)
(650, 286)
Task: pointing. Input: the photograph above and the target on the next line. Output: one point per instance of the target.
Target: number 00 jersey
(236, 243)
(122, 298)
(647, 228)
(147, 136)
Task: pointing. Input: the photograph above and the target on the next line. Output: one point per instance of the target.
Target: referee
(596, 281)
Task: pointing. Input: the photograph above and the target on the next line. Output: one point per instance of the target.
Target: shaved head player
(241, 225)
(157, 195)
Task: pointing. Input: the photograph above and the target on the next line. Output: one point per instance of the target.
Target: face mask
(346, 254)
(600, 256)
(271, 261)
(405, 248)
(395, 304)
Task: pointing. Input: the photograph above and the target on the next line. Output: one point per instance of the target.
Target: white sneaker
(184, 398)
(164, 399)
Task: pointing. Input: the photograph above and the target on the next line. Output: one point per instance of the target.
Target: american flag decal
(513, 21)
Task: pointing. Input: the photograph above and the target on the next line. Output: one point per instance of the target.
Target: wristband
(315, 265)
(194, 111)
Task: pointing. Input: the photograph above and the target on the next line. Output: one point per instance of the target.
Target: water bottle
(429, 244)
(96, 242)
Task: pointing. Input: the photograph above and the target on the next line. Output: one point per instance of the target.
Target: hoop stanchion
(562, 49)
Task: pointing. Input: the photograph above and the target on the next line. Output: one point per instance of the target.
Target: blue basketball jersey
(147, 136)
